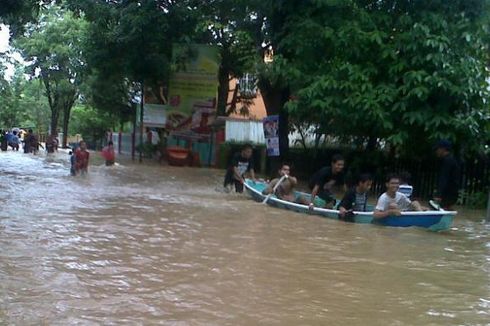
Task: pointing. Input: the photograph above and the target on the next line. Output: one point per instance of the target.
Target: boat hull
(432, 220)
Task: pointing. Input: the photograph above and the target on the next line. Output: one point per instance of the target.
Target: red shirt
(81, 157)
(108, 154)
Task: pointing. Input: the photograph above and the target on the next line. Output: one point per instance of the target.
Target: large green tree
(53, 49)
(403, 72)
(225, 24)
(16, 13)
(130, 42)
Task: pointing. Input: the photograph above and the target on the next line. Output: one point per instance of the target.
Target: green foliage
(129, 43)
(408, 74)
(477, 200)
(23, 103)
(53, 49)
(90, 123)
(17, 13)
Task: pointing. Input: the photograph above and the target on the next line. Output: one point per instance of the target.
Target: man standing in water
(81, 159)
(449, 177)
(14, 141)
(241, 164)
(323, 181)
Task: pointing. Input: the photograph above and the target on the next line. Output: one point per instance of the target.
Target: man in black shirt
(356, 198)
(449, 176)
(322, 182)
(241, 164)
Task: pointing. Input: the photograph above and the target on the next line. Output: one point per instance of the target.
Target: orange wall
(256, 109)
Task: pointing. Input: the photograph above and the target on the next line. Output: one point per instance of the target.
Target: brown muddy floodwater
(147, 245)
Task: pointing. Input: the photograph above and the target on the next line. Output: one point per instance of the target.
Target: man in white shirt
(393, 202)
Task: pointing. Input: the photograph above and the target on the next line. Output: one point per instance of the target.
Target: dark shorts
(327, 196)
(230, 179)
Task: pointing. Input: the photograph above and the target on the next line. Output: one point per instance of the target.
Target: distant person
(152, 137)
(323, 181)
(28, 141)
(8, 136)
(356, 198)
(448, 184)
(109, 154)
(82, 158)
(50, 144)
(285, 190)
(3, 141)
(241, 164)
(392, 202)
(14, 141)
(31, 143)
(405, 187)
(73, 161)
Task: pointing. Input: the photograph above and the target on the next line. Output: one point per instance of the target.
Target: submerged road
(145, 245)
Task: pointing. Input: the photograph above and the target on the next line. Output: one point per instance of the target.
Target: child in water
(72, 162)
(108, 154)
(81, 158)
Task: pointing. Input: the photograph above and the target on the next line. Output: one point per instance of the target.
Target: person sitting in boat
(405, 187)
(323, 181)
(392, 202)
(241, 164)
(356, 198)
(285, 190)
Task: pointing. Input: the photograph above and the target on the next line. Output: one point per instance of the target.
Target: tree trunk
(274, 99)
(372, 142)
(55, 115)
(66, 121)
(68, 103)
(223, 90)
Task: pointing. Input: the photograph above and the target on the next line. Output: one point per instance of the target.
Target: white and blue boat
(432, 220)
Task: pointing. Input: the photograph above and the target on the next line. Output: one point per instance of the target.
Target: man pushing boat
(325, 179)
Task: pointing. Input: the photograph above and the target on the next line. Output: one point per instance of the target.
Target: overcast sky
(4, 46)
(4, 38)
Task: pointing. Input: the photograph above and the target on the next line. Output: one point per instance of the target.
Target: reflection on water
(145, 245)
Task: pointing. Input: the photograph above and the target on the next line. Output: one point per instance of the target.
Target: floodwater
(146, 245)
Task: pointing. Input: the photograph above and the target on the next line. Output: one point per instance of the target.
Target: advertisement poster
(154, 115)
(193, 89)
(271, 133)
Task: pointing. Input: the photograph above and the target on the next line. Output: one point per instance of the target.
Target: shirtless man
(285, 190)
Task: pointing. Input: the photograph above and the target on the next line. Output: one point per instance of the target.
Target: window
(247, 85)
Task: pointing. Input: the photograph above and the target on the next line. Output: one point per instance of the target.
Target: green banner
(193, 88)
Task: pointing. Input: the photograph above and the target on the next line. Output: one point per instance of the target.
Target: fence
(424, 170)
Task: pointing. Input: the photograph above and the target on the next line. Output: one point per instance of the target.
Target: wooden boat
(432, 220)
(178, 156)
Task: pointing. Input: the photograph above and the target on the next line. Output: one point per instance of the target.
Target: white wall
(244, 131)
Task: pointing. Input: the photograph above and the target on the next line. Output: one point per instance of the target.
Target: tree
(22, 103)
(17, 13)
(53, 47)
(401, 71)
(130, 45)
(224, 24)
(90, 123)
